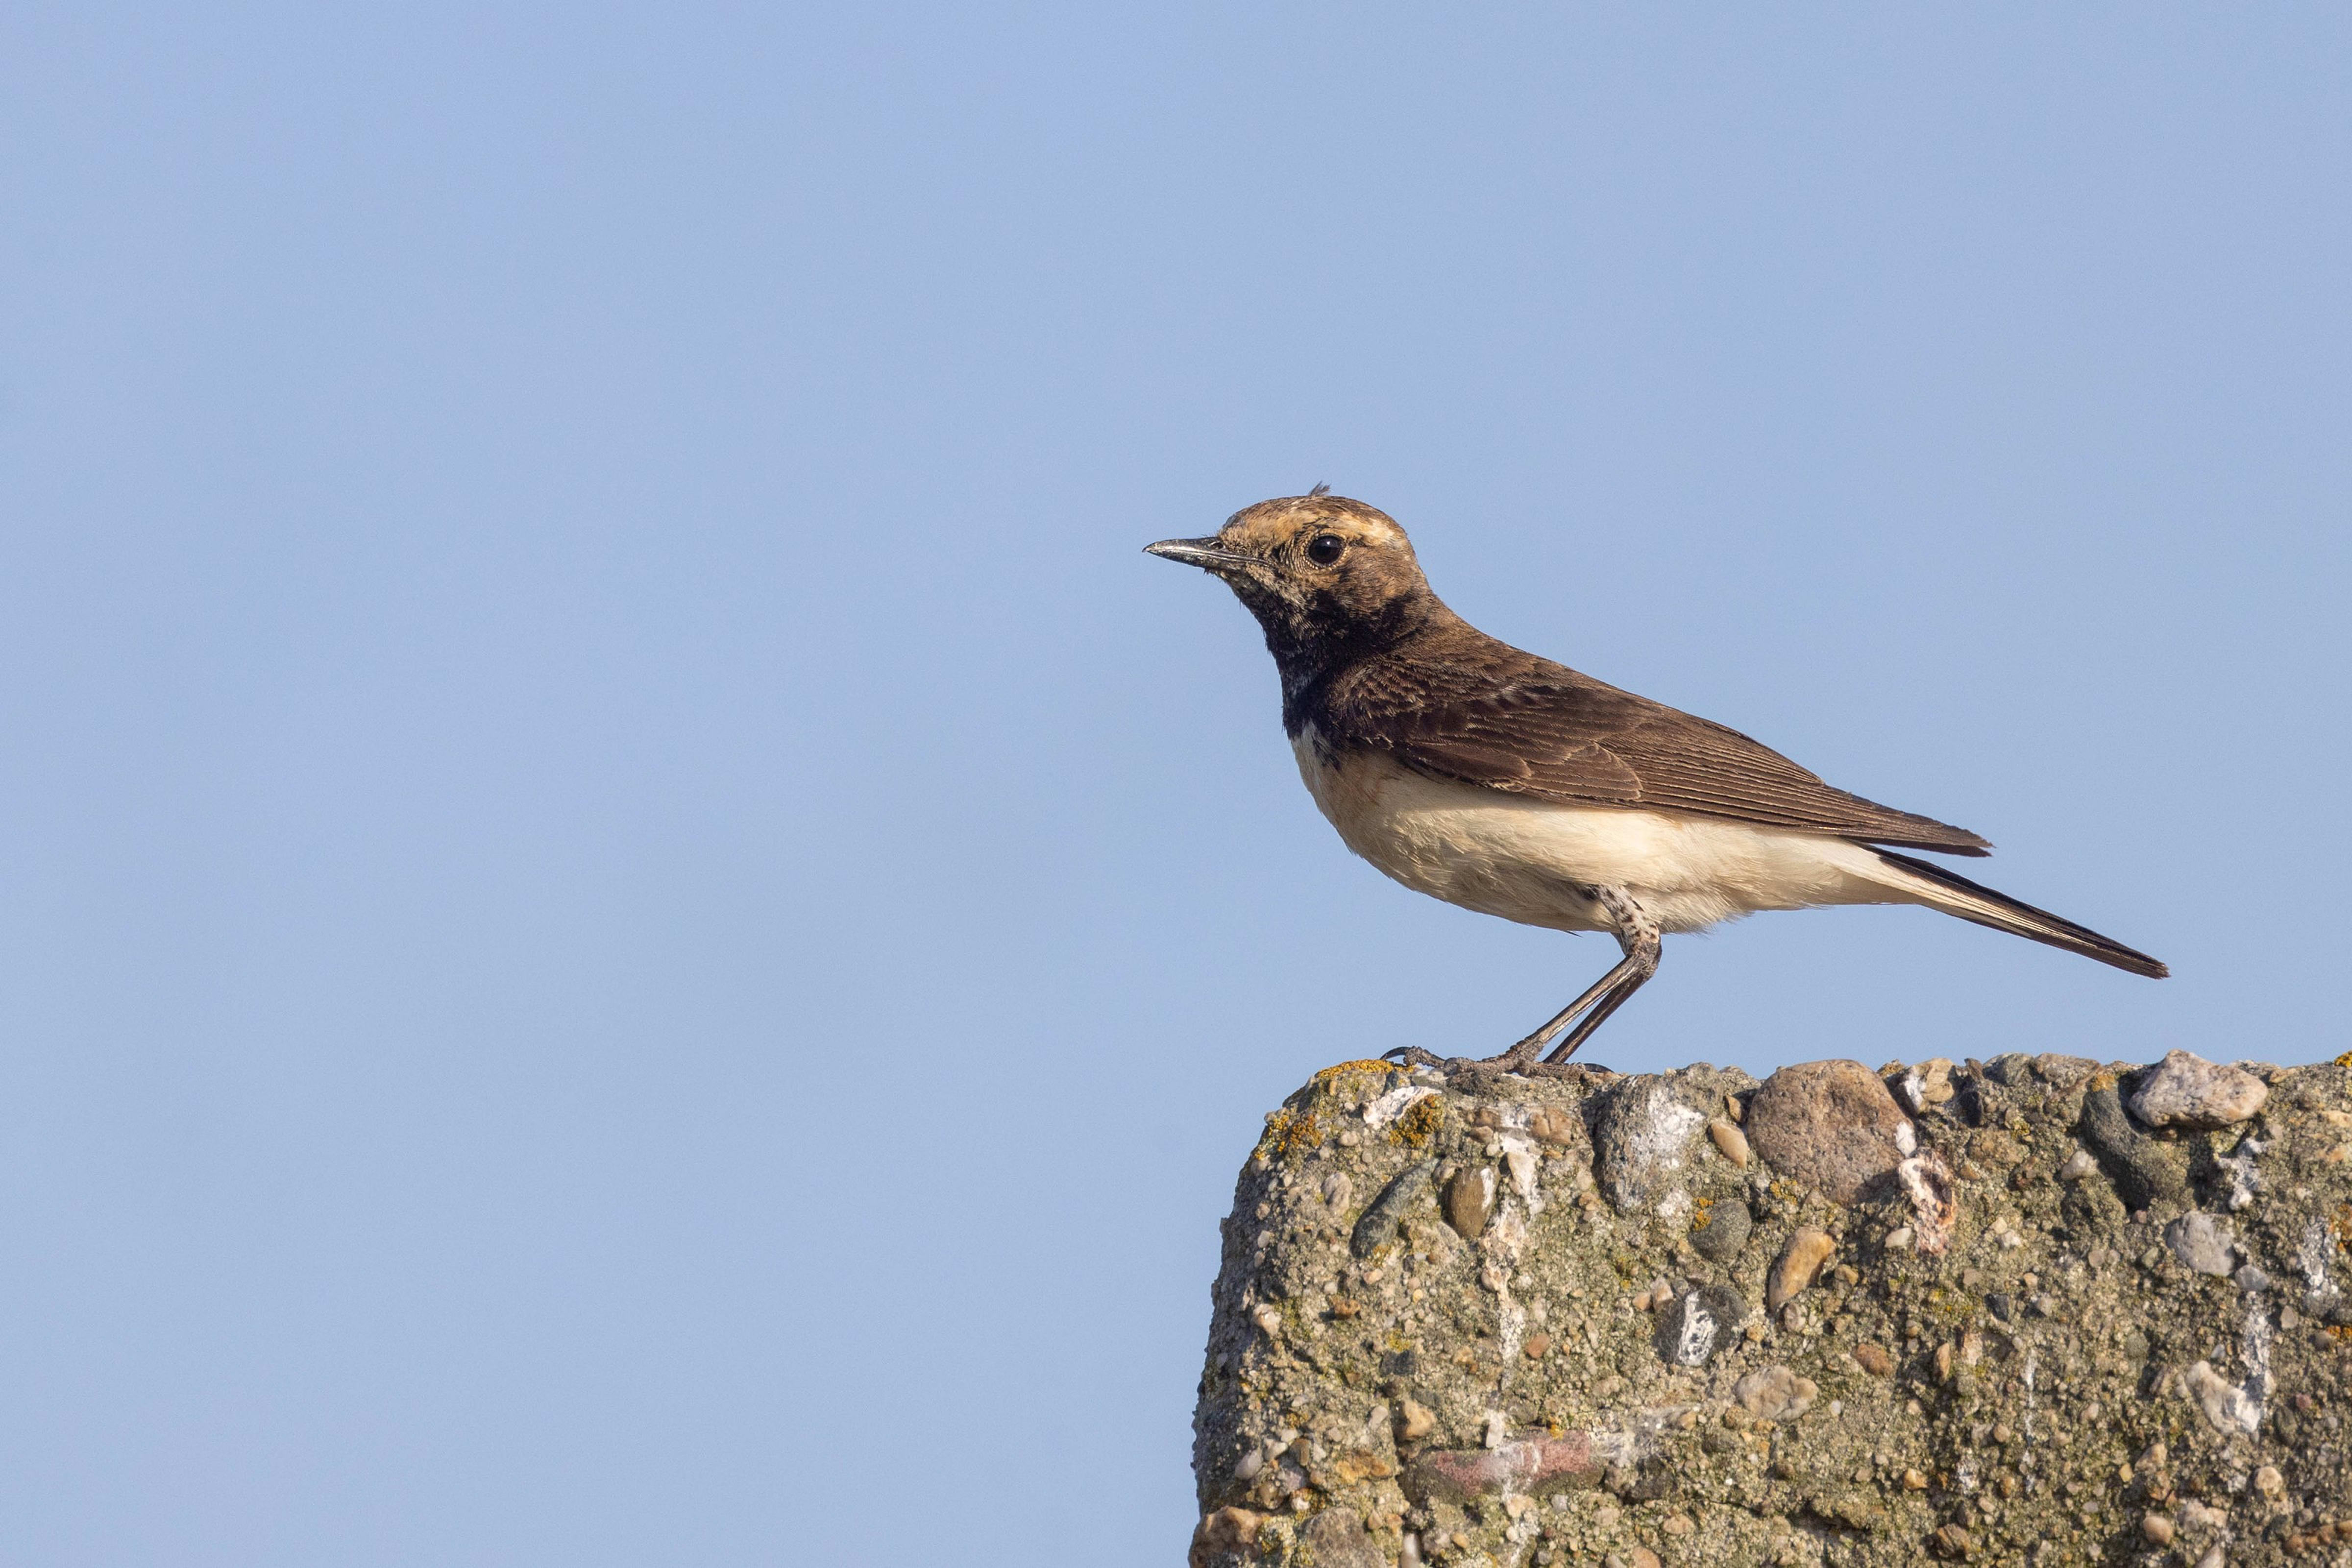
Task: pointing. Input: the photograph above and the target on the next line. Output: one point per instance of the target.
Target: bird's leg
(1520, 1058)
(1640, 937)
(1637, 936)
(1525, 1052)
(1596, 1018)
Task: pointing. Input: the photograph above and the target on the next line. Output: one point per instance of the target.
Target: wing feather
(1511, 721)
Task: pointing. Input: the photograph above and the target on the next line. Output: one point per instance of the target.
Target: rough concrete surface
(2025, 1310)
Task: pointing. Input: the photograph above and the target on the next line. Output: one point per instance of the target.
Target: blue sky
(635, 933)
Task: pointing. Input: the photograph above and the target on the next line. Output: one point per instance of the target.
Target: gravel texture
(2027, 1311)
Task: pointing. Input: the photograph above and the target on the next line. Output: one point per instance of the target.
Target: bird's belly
(1534, 860)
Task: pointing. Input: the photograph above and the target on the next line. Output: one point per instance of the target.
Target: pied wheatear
(1504, 783)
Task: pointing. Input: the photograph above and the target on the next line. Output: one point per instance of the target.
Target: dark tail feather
(1956, 894)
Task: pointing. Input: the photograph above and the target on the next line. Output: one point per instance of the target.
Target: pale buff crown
(1277, 530)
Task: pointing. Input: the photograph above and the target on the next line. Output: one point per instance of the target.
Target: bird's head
(1324, 575)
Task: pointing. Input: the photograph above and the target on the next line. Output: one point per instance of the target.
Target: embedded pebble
(1377, 1225)
(1695, 1325)
(2078, 1165)
(2190, 1092)
(1641, 1142)
(1808, 1248)
(1831, 1125)
(2230, 1409)
(1873, 1360)
(1729, 1141)
(2063, 1072)
(1227, 1529)
(1925, 1085)
(1470, 1201)
(2143, 1170)
(1718, 1231)
(1336, 1538)
(2197, 1515)
(2201, 1243)
(1994, 1148)
(1775, 1394)
(1520, 1161)
(1557, 1128)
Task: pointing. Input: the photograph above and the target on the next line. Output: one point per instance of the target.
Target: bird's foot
(1572, 1072)
(1523, 1062)
(1413, 1056)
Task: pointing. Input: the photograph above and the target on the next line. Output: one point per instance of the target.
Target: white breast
(1529, 861)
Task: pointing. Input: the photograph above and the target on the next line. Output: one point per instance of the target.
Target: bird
(1503, 782)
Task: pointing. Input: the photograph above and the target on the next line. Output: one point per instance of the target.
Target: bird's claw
(1526, 1065)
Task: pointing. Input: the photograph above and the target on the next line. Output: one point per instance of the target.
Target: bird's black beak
(1207, 554)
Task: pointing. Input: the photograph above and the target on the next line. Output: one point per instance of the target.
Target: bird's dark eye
(1324, 548)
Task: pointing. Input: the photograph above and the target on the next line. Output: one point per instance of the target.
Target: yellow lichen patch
(1700, 1216)
(1419, 1123)
(1287, 1132)
(1323, 1080)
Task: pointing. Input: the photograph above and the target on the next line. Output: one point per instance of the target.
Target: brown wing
(1511, 721)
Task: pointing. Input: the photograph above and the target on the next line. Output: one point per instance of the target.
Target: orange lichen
(1288, 1131)
(1419, 1123)
(1324, 1078)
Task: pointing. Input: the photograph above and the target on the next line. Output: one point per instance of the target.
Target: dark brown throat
(1312, 651)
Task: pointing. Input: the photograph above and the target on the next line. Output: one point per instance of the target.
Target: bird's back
(1450, 702)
